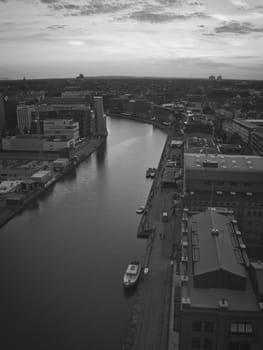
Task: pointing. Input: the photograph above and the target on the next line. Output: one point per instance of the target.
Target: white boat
(132, 274)
(140, 210)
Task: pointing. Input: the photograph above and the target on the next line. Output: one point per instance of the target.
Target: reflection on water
(62, 260)
(101, 153)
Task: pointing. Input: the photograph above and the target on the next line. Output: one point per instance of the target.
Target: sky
(161, 38)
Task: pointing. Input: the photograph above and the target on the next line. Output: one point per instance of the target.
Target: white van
(165, 216)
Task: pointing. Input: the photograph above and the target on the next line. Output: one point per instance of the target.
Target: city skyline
(165, 38)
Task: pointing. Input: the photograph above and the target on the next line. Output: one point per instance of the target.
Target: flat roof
(40, 174)
(224, 162)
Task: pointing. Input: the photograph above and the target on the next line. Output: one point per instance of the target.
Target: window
(209, 327)
(239, 346)
(197, 326)
(208, 344)
(244, 328)
(196, 343)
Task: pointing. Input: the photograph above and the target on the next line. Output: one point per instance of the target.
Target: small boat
(153, 173)
(140, 210)
(132, 274)
(148, 172)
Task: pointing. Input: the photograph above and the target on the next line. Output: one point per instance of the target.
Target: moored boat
(132, 274)
(148, 172)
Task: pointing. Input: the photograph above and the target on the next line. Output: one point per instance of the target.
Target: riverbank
(155, 123)
(7, 213)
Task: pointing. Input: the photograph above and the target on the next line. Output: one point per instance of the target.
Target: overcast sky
(170, 38)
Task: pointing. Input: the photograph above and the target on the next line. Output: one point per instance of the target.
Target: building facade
(61, 128)
(100, 125)
(234, 182)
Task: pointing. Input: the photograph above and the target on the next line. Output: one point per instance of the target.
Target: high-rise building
(100, 126)
(2, 113)
(24, 117)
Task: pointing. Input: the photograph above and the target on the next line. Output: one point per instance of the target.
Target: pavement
(150, 324)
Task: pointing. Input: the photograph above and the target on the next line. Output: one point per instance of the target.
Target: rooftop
(223, 162)
(217, 251)
(220, 258)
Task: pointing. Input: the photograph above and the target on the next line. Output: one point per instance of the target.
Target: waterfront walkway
(150, 320)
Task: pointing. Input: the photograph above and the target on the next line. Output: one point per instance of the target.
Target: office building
(24, 117)
(60, 128)
(244, 128)
(100, 125)
(36, 143)
(234, 182)
(2, 113)
(257, 142)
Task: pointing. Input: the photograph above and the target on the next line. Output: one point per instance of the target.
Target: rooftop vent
(223, 304)
(186, 301)
(242, 246)
(184, 278)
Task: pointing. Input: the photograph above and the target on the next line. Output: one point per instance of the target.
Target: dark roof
(215, 245)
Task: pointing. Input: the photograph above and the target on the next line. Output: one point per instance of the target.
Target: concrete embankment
(144, 228)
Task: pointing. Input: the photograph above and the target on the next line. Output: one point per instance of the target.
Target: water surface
(62, 260)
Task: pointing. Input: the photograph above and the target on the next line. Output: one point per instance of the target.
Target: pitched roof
(216, 248)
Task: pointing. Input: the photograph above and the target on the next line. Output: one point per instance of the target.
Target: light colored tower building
(100, 125)
(24, 117)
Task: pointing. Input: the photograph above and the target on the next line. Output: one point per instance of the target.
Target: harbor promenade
(150, 325)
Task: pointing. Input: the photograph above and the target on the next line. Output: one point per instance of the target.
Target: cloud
(56, 26)
(147, 10)
(87, 7)
(238, 28)
(153, 17)
(49, 1)
(240, 4)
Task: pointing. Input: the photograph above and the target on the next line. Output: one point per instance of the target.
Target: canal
(62, 260)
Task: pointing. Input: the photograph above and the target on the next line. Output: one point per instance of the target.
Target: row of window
(207, 343)
(246, 328)
(218, 203)
(254, 213)
(206, 326)
(222, 183)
